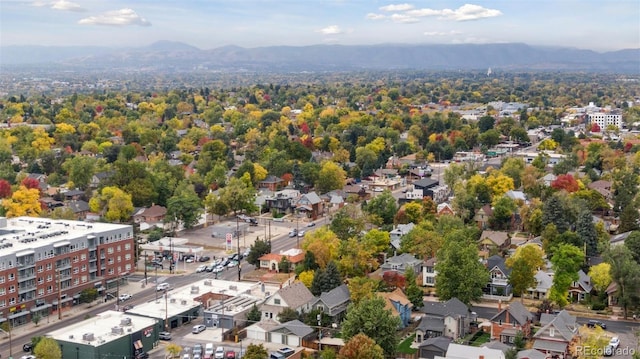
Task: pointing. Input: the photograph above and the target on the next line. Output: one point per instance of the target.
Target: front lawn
(478, 340)
(405, 346)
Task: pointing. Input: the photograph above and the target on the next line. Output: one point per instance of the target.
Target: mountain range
(177, 56)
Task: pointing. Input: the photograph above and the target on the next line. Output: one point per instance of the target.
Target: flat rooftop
(104, 327)
(176, 302)
(22, 233)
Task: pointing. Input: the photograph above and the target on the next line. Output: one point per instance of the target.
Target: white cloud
(468, 12)
(331, 30)
(406, 19)
(396, 7)
(66, 6)
(40, 3)
(372, 16)
(122, 17)
(441, 33)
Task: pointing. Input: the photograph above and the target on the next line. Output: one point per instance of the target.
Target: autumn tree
(347, 222)
(566, 263)
(47, 348)
(5, 188)
(238, 196)
(625, 272)
(173, 350)
(589, 338)
(255, 351)
(423, 240)
(113, 203)
(371, 318)
(330, 177)
(362, 288)
(361, 346)
(323, 243)
(565, 182)
(600, 275)
(23, 202)
(184, 206)
(524, 264)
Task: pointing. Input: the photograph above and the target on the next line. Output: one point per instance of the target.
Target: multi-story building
(606, 119)
(45, 264)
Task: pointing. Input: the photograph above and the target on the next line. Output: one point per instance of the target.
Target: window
(83, 257)
(12, 276)
(12, 289)
(75, 270)
(49, 289)
(127, 257)
(127, 246)
(110, 271)
(76, 281)
(110, 260)
(119, 259)
(84, 268)
(49, 266)
(49, 277)
(40, 292)
(3, 303)
(276, 301)
(12, 301)
(84, 279)
(3, 291)
(1, 279)
(118, 248)
(128, 267)
(75, 259)
(40, 269)
(110, 250)
(40, 280)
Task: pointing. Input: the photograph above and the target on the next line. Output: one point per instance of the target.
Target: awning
(61, 244)
(550, 346)
(67, 299)
(18, 315)
(25, 253)
(42, 307)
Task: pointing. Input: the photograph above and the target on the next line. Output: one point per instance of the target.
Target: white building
(606, 119)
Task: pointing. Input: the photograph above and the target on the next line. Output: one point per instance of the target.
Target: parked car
(123, 297)
(27, 347)
(28, 357)
(231, 355)
(189, 259)
(378, 189)
(293, 233)
(162, 286)
(614, 342)
(301, 234)
(201, 268)
(232, 264)
(235, 257)
(246, 253)
(311, 224)
(164, 336)
(592, 324)
(204, 259)
(286, 351)
(197, 349)
(217, 269)
(198, 329)
(219, 354)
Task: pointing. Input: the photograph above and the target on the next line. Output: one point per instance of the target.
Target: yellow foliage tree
(65, 129)
(42, 141)
(499, 184)
(591, 343)
(600, 276)
(306, 277)
(377, 145)
(324, 245)
(259, 173)
(115, 204)
(23, 202)
(173, 350)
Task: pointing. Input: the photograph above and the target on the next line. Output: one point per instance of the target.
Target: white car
(123, 297)
(28, 357)
(201, 268)
(162, 286)
(217, 269)
(198, 329)
(301, 234)
(219, 354)
(378, 189)
(614, 342)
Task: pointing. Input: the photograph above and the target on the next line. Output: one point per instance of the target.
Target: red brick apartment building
(45, 264)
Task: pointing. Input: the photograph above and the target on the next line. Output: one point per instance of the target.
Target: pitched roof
(497, 237)
(563, 323)
(294, 327)
(425, 183)
(78, 206)
(272, 179)
(404, 258)
(458, 351)
(431, 323)
(584, 281)
(312, 197)
(543, 281)
(517, 311)
(438, 342)
(531, 354)
(497, 261)
(295, 295)
(154, 211)
(336, 296)
(451, 308)
(396, 296)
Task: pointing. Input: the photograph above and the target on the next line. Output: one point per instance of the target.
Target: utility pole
(297, 228)
(166, 311)
(319, 317)
(238, 245)
(59, 295)
(156, 266)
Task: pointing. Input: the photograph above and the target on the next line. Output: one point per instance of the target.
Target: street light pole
(297, 228)
(238, 245)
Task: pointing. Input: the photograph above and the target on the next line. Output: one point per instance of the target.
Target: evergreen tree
(586, 230)
(413, 291)
(254, 315)
(554, 212)
(629, 219)
(371, 318)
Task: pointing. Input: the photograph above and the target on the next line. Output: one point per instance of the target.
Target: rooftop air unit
(117, 331)
(88, 337)
(125, 321)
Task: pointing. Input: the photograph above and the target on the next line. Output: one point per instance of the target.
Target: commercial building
(109, 334)
(45, 264)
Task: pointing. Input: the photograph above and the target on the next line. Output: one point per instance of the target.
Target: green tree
(285, 265)
(586, 230)
(254, 315)
(629, 219)
(48, 348)
(184, 206)
(566, 261)
(423, 241)
(502, 213)
(459, 273)
(88, 295)
(382, 208)
(413, 291)
(258, 249)
(80, 170)
(326, 280)
(371, 318)
(347, 222)
(633, 243)
(556, 211)
(255, 351)
(625, 188)
(524, 264)
(625, 272)
(361, 346)
(287, 315)
(238, 196)
(330, 177)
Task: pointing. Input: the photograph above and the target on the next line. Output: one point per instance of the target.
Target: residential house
(398, 304)
(310, 204)
(498, 286)
(271, 183)
(401, 263)
(291, 333)
(425, 185)
(271, 261)
(556, 334)
(458, 351)
(494, 241)
(580, 289)
(98, 178)
(295, 296)
(396, 234)
(517, 196)
(548, 179)
(153, 214)
(482, 216)
(429, 272)
(453, 316)
(619, 239)
(509, 321)
(333, 303)
(444, 209)
(603, 187)
(42, 180)
(281, 202)
(79, 208)
(543, 286)
(72, 195)
(531, 354)
(612, 294)
(432, 347)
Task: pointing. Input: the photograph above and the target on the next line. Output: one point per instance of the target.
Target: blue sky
(588, 24)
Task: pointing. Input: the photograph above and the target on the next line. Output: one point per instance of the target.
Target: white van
(208, 350)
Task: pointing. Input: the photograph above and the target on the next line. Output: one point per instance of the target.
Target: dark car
(204, 259)
(593, 323)
(311, 224)
(27, 347)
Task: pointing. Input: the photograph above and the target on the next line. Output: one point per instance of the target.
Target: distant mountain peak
(166, 45)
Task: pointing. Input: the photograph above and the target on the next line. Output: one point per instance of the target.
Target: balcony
(25, 289)
(499, 281)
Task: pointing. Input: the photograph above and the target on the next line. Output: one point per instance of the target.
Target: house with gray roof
(334, 303)
(398, 232)
(619, 239)
(401, 262)
(291, 333)
(498, 286)
(452, 319)
(310, 204)
(295, 296)
(556, 333)
(433, 347)
(506, 324)
(543, 286)
(581, 288)
(531, 354)
(79, 208)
